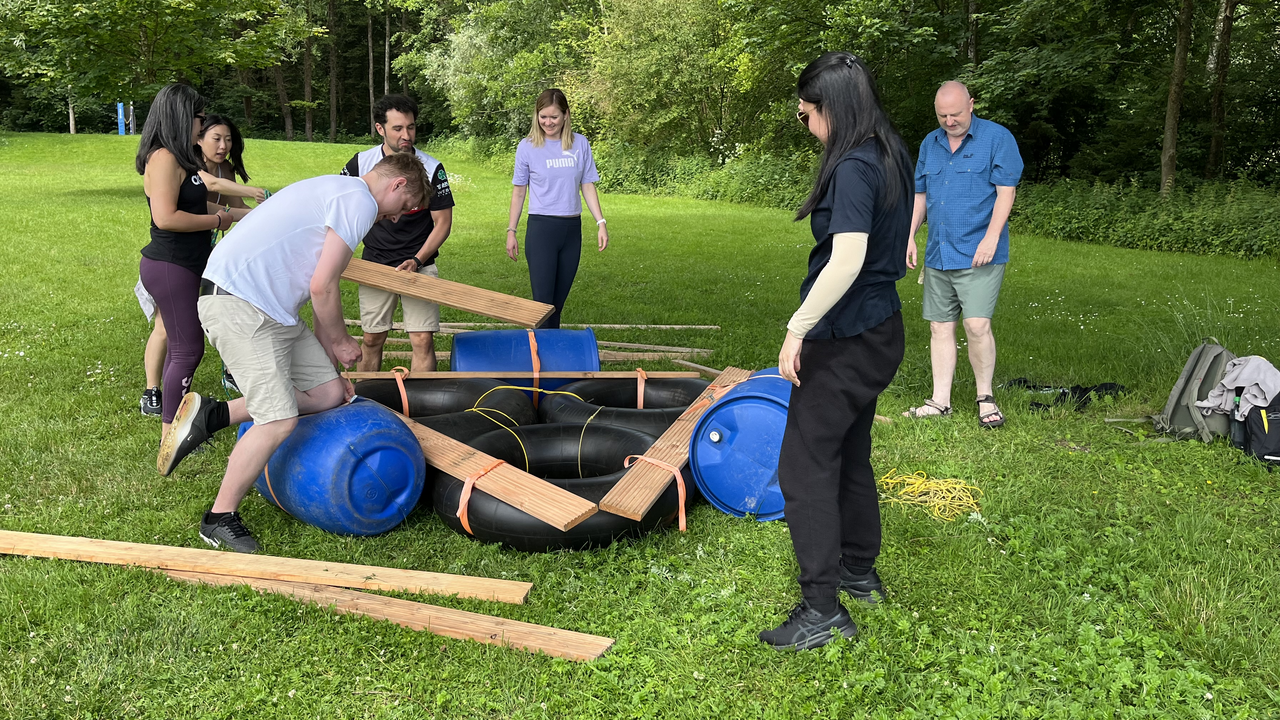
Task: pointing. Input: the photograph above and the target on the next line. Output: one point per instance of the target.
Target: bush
(1238, 218)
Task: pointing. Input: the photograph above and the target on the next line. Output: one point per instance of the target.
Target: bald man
(965, 184)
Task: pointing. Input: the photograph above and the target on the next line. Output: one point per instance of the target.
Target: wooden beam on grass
(267, 567)
(628, 357)
(519, 374)
(658, 348)
(702, 369)
(447, 622)
(640, 488)
(553, 505)
(517, 311)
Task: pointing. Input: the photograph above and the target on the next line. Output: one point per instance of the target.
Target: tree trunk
(372, 129)
(333, 76)
(404, 81)
(243, 77)
(1219, 63)
(971, 30)
(1177, 79)
(306, 83)
(133, 127)
(386, 58)
(285, 108)
(71, 115)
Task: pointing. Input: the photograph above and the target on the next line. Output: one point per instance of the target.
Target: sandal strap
(986, 399)
(944, 409)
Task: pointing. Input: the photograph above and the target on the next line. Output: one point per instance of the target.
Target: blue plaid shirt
(960, 191)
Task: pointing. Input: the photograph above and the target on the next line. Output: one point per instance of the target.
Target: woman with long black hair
(182, 220)
(842, 346)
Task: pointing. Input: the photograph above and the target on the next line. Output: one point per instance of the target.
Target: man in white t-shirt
(259, 276)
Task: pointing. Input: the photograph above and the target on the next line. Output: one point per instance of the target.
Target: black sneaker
(806, 628)
(864, 588)
(151, 403)
(228, 382)
(188, 431)
(229, 532)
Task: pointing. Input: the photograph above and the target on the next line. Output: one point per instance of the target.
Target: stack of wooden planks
(326, 584)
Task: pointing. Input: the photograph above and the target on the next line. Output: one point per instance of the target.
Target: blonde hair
(409, 167)
(549, 97)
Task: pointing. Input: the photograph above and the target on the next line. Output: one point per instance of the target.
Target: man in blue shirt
(965, 184)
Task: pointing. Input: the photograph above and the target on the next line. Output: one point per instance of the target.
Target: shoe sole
(219, 545)
(181, 425)
(819, 640)
(212, 542)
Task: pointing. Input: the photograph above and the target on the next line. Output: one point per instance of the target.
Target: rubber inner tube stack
(586, 460)
(462, 408)
(613, 402)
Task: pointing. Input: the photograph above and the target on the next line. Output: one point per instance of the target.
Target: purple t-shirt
(555, 175)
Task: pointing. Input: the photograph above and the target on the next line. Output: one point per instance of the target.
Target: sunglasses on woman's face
(803, 117)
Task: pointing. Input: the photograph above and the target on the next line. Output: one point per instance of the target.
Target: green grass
(1106, 577)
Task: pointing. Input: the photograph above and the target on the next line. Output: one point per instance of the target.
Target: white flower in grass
(1208, 696)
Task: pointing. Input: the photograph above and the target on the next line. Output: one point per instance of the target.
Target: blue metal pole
(120, 117)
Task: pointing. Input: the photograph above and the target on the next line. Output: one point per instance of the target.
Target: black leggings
(552, 247)
(824, 469)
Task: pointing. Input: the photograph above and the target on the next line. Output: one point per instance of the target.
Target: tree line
(1158, 92)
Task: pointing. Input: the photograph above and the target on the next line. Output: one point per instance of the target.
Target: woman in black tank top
(181, 224)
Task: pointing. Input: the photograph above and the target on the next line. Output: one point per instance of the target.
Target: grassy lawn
(1105, 577)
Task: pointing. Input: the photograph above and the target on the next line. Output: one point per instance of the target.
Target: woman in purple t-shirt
(556, 162)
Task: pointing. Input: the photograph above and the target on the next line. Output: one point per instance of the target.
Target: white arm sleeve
(848, 252)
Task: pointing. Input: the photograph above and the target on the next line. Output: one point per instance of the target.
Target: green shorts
(973, 291)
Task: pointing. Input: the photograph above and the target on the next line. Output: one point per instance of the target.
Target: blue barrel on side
(353, 470)
(498, 350)
(733, 453)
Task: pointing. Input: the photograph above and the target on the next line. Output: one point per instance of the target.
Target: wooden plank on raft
(636, 492)
(520, 375)
(269, 567)
(518, 311)
(447, 622)
(553, 505)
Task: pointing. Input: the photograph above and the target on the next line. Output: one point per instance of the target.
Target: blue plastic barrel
(353, 470)
(498, 350)
(733, 453)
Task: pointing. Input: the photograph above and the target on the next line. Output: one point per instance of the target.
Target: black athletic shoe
(188, 431)
(151, 403)
(229, 382)
(229, 532)
(806, 628)
(864, 588)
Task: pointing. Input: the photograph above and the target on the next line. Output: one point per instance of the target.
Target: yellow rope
(482, 412)
(530, 389)
(583, 435)
(944, 498)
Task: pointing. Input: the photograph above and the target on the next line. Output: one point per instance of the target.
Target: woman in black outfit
(842, 347)
(182, 219)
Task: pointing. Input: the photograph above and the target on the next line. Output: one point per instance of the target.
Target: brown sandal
(998, 418)
(915, 412)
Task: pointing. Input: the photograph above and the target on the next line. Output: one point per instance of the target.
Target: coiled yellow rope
(944, 498)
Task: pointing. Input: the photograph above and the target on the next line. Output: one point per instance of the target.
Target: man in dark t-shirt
(411, 245)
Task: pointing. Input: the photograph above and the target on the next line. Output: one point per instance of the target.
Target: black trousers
(552, 247)
(824, 469)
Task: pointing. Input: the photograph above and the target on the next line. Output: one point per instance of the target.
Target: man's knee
(942, 330)
(422, 341)
(328, 395)
(374, 341)
(977, 328)
(277, 430)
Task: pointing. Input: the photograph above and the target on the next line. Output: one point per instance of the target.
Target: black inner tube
(613, 402)
(462, 408)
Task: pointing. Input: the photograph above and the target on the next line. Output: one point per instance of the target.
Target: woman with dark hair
(221, 159)
(182, 219)
(556, 162)
(842, 346)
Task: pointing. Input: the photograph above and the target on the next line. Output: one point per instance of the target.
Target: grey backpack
(1203, 371)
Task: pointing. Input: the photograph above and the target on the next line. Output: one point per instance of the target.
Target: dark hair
(168, 126)
(840, 85)
(399, 103)
(235, 155)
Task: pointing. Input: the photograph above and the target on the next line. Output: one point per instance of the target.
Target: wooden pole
(447, 622)
(525, 313)
(267, 567)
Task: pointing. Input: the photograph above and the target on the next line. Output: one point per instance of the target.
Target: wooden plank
(553, 505)
(658, 348)
(447, 622)
(703, 369)
(522, 375)
(626, 357)
(636, 492)
(399, 327)
(406, 354)
(518, 311)
(268, 567)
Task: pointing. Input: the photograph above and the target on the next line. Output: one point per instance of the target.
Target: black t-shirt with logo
(854, 203)
(188, 250)
(391, 243)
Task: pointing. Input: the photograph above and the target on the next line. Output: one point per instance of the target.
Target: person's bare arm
(326, 302)
(162, 181)
(513, 219)
(918, 212)
(593, 204)
(443, 224)
(999, 216)
(231, 188)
